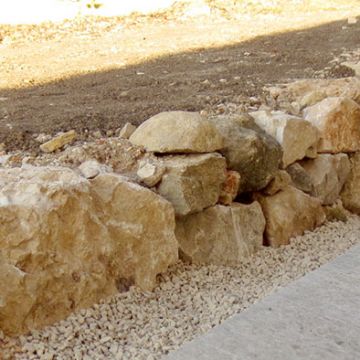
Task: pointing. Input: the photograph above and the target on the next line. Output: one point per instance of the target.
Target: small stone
(91, 168)
(150, 174)
(42, 138)
(352, 20)
(127, 130)
(230, 187)
(58, 141)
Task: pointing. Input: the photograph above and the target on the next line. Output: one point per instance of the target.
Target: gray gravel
(188, 302)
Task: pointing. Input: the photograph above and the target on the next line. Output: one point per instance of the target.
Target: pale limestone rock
(177, 132)
(312, 97)
(127, 130)
(289, 213)
(91, 168)
(328, 174)
(149, 173)
(300, 178)
(338, 121)
(281, 180)
(350, 194)
(230, 187)
(193, 182)
(221, 235)
(248, 150)
(295, 135)
(310, 91)
(66, 242)
(58, 141)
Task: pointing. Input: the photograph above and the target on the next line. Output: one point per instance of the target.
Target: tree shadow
(190, 81)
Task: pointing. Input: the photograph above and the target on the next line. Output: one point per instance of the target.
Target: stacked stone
(213, 190)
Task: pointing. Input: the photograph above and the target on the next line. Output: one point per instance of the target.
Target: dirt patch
(97, 75)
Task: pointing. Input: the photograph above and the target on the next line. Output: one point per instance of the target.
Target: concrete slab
(316, 317)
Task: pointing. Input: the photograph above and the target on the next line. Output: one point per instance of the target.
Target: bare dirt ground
(94, 74)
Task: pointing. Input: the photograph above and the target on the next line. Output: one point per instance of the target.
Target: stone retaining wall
(212, 190)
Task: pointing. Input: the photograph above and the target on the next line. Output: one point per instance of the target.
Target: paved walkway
(314, 318)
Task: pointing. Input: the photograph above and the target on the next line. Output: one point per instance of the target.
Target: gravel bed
(188, 302)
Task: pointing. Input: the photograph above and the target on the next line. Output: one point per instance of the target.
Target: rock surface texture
(177, 132)
(300, 178)
(192, 183)
(338, 121)
(230, 187)
(297, 137)
(249, 150)
(67, 242)
(222, 235)
(328, 174)
(350, 194)
(289, 213)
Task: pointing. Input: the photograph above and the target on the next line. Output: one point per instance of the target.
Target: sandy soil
(96, 74)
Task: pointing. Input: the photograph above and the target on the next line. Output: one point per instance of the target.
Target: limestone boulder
(297, 137)
(338, 122)
(67, 242)
(289, 213)
(177, 132)
(328, 174)
(193, 182)
(249, 150)
(350, 194)
(221, 235)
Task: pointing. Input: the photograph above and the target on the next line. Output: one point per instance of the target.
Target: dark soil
(100, 80)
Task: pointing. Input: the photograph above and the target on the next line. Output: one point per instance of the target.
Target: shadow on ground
(185, 81)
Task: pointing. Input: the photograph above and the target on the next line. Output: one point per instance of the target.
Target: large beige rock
(193, 182)
(289, 213)
(222, 235)
(338, 121)
(249, 150)
(67, 242)
(328, 174)
(177, 132)
(350, 194)
(297, 137)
